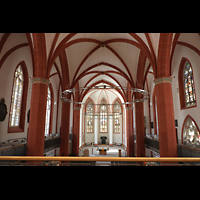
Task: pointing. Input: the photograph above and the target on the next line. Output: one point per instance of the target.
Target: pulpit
(103, 140)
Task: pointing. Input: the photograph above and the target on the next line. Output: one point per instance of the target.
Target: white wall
(180, 115)
(194, 59)
(6, 83)
(110, 97)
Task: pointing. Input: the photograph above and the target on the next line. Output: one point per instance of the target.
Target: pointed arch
(103, 116)
(102, 81)
(40, 57)
(186, 85)
(49, 110)
(17, 113)
(90, 110)
(190, 131)
(164, 53)
(117, 113)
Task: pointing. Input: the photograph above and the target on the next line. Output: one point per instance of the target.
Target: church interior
(100, 95)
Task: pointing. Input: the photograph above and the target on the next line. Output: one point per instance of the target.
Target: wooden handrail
(14, 146)
(189, 147)
(119, 159)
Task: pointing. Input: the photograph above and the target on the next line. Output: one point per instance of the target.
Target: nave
(61, 91)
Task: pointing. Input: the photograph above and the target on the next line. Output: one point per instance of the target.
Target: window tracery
(16, 97)
(190, 132)
(103, 118)
(48, 110)
(189, 85)
(90, 120)
(116, 115)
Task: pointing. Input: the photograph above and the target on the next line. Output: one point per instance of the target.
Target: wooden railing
(117, 159)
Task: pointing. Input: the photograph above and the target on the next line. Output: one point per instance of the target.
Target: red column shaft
(166, 123)
(129, 128)
(140, 133)
(35, 143)
(76, 128)
(64, 135)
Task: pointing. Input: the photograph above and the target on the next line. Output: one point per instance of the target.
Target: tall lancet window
(48, 111)
(116, 114)
(103, 117)
(15, 109)
(90, 120)
(190, 99)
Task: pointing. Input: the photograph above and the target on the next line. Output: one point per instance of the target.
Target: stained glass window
(116, 114)
(90, 121)
(48, 110)
(16, 97)
(189, 85)
(190, 132)
(103, 118)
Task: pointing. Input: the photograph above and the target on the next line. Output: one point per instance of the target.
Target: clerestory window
(116, 116)
(189, 85)
(103, 117)
(90, 119)
(186, 85)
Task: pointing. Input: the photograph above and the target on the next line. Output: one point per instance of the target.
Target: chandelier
(64, 95)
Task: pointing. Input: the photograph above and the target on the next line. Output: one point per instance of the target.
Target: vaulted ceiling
(113, 58)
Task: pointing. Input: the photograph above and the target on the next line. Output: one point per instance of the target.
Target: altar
(102, 150)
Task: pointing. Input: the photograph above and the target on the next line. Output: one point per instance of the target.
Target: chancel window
(103, 118)
(116, 117)
(48, 111)
(189, 85)
(16, 97)
(90, 119)
(190, 132)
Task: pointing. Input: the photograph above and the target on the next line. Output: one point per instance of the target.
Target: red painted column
(35, 143)
(129, 130)
(76, 128)
(64, 134)
(140, 132)
(76, 123)
(65, 115)
(166, 123)
(129, 124)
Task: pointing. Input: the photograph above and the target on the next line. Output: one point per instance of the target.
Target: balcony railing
(94, 161)
(18, 146)
(183, 150)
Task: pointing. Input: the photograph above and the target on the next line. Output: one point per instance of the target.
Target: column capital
(40, 80)
(129, 108)
(76, 108)
(161, 80)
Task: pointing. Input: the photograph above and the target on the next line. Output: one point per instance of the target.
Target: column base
(95, 145)
(110, 145)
